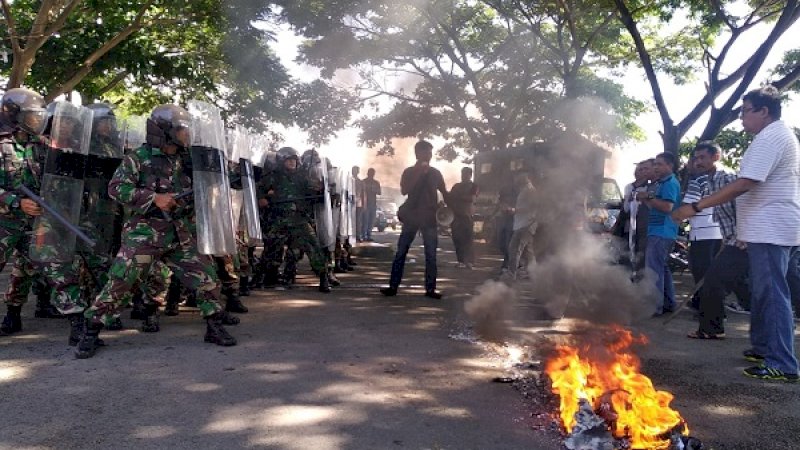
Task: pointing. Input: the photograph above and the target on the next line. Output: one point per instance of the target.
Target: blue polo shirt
(660, 224)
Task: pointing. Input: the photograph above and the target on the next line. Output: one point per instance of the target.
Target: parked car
(385, 219)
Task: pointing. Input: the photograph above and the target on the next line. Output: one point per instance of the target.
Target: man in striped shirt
(728, 270)
(704, 234)
(768, 222)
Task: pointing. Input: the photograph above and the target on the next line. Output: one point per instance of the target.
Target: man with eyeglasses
(767, 195)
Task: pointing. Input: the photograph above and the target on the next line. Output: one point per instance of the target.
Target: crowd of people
(743, 238)
(101, 223)
(101, 216)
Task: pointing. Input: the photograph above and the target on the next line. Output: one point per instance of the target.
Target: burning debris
(608, 404)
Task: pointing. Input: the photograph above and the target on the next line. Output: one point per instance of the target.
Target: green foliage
(733, 144)
(205, 49)
(485, 75)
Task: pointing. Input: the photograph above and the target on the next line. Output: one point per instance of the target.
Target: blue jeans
(658, 249)
(430, 239)
(771, 324)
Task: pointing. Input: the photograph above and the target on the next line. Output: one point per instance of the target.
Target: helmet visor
(33, 120)
(182, 135)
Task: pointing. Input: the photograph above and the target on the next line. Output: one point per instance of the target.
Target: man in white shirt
(768, 223)
(525, 224)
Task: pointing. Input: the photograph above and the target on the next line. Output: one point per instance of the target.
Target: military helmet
(285, 153)
(169, 124)
(23, 109)
(310, 158)
(102, 112)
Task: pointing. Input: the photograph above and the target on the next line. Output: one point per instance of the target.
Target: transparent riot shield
(62, 183)
(134, 132)
(351, 202)
(100, 212)
(323, 214)
(344, 209)
(210, 184)
(252, 224)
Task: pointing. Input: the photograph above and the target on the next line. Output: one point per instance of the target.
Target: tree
(710, 21)
(464, 70)
(140, 55)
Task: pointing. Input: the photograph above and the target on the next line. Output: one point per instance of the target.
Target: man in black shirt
(420, 182)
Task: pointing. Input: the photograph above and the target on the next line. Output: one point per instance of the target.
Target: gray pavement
(352, 370)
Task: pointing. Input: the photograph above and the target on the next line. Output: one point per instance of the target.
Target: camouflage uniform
(62, 278)
(289, 222)
(149, 237)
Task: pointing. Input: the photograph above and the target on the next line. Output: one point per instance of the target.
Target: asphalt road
(354, 370)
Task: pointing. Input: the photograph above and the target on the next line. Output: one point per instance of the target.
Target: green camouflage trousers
(299, 236)
(139, 260)
(62, 278)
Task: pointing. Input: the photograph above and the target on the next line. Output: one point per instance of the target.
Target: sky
(344, 149)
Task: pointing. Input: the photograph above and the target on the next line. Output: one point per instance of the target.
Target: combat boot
(271, 277)
(332, 280)
(216, 332)
(116, 324)
(324, 285)
(44, 309)
(228, 318)
(173, 298)
(257, 281)
(244, 286)
(137, 312)
(232, 302)
(150, 323)
(191, 300)
(12, 322)
(90, 341)
(77, 328)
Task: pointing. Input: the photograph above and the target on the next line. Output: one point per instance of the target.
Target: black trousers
(701, 254)
(727, 273)
(462, 231)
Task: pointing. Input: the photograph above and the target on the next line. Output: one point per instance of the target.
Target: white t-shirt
(770, 212)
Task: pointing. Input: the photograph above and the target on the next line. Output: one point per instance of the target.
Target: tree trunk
(672, 139)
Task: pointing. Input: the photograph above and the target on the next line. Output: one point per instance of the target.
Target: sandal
(703, 335)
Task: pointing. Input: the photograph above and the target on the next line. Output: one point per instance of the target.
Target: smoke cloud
(491, 309)
(571, 273)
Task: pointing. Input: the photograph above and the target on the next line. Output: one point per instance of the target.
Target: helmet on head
(169, 125)
(285, 153)
(23, 109)
(310, 158)
(102, 112)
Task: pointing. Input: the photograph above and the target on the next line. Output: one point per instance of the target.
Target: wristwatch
(15, 203)
(696, 207)
(650, 196)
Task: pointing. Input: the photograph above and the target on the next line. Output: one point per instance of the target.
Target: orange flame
(611, 375)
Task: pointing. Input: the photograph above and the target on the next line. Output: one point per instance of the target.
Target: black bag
(405, 212)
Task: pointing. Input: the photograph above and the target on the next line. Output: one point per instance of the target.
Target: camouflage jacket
(20, 164)
(277, 186)
(144, 172)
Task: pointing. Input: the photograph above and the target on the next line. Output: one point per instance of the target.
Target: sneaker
(752, 356)
(736, 308)
(468, 266)
(460, 265)
(768, 373)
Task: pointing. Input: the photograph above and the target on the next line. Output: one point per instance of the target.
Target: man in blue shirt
(661, 230)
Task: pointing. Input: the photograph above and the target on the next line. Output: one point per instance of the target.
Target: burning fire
(608, 377)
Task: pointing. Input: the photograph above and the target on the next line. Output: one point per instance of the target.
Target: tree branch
(86, 67)
(113, 83)
(12, 28)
